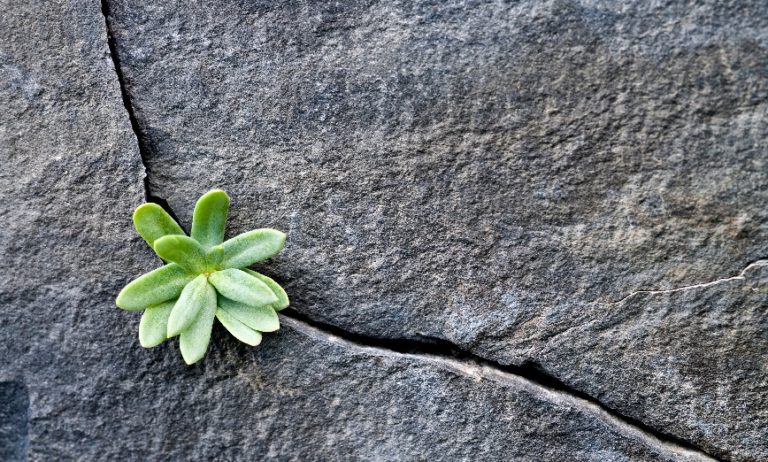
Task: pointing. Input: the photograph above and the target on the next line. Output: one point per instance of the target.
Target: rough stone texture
(70, 175)
(510, 178)
(14, 420)
(706, 343)
(493, 174)
(74, 385)
(304, 397)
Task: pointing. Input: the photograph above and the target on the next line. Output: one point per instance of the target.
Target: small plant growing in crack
(205, 278)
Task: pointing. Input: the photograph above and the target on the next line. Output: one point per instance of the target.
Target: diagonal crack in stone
(141, 138)
(529, 376)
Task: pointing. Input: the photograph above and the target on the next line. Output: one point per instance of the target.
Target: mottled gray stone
(74, 383)
(708, 341)
(14, 420)
(494, 174)
(70, 175)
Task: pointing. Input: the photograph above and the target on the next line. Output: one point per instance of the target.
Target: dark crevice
(145, 148)
(530, 371)
(164, 204)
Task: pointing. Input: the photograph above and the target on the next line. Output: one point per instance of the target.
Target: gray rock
(706, 341)
(70, 175)
(14, 420)
(305, 395)
(577, 188)
(495, 175)
(74, 384)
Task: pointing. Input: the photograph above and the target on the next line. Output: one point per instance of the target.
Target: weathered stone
(708, 341)
(14, 420)
(497, 175)
(70, 175)
(506, 177)
(74, 385)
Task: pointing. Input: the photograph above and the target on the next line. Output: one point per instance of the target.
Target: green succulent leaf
(240, 286)
(155, 287)
(154, 324)
(261, 318)
(282, 297)
(193, 342)
(152, 223)
(251, 247)
(210, 218)
(214, 257)
(195, 297)
(241, 332)
(205, 279)
(182, 250)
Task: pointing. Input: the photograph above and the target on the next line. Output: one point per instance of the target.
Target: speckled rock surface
(492, 174)
(74, 385)
(301, 396)
(578, 188)
(71, 173)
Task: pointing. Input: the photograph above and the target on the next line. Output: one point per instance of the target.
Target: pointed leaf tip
(152, 223)
(210, 218)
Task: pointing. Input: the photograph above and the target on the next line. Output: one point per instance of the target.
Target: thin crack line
(740, 277)
(529, 376)
(125, 96)
(142, 140)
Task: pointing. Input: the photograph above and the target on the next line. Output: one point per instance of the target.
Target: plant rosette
(205, 278)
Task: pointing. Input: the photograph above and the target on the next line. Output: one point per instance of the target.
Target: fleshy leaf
(242, 287)
(154, 324)
(152, 223)
(241, 332)
(210, 218)
(203, 279)
(214, 256)
(193, 342)
(260, 318)
(282, 297)
(251, 247)
(182, 250)
(193, 299)
(153, 288)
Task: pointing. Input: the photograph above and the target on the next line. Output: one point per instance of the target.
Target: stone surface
(705, 342)
(493, 174)
(14, 420)
(74, 385)
(509, 178)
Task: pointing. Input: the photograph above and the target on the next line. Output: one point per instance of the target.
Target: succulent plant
(205, 278)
